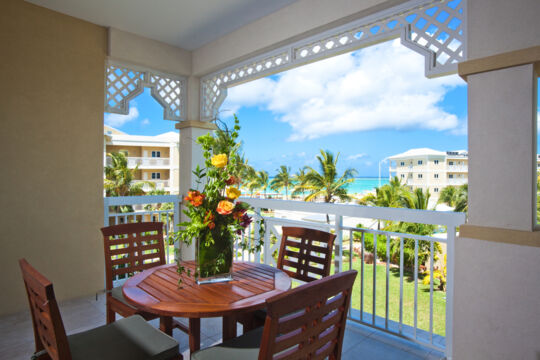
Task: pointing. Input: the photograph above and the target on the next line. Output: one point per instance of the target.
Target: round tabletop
(156, 291)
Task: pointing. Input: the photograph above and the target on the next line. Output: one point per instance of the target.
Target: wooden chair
(305, 255)
(130, 248)
(129, 338)
(307, 322)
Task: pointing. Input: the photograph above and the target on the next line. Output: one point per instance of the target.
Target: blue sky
(366, 105)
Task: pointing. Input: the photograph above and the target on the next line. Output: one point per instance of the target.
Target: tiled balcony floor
(17, 340)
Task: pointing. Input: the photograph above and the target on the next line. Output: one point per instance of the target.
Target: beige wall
(133, 151)
(51, 111)
(164, 150)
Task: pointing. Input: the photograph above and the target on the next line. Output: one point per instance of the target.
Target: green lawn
(439, 302)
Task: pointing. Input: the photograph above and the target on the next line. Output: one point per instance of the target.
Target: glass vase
(214, 256)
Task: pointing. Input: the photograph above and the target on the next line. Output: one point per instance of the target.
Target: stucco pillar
(191, 153)
(496, 292)
(502, 148)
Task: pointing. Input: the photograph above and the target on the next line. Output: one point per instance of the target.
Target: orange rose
(225, 207)
(195, 198)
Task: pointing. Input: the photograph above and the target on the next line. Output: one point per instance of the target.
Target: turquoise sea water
(359, 186)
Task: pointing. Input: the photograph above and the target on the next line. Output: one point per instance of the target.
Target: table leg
(194, 334)
(166, 324)
(229, 327)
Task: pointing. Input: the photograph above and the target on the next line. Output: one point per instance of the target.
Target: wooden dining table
(157, 291)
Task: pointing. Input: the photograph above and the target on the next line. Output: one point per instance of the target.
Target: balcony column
(496, 290)
(191, 153)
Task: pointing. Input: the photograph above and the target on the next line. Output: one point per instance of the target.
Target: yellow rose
(233, 193)
(219, 160)
(225, 207)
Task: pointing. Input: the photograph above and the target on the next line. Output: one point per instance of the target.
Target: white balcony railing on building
(158, 184)
(457, 181)
(145, 162)
(379, 289)
(457, 168)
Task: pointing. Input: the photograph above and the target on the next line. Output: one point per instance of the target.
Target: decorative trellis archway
(124, 82)
(433, 28)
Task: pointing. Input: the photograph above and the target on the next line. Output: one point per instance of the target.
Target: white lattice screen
(433, 28)
(124, 82)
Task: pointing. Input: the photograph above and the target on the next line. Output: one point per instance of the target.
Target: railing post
(338, 245)
(176, 221)
(450, 257)
(105, 211)
(267, 255)
(256, 235)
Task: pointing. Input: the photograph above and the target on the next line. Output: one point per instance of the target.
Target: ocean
(359, 186)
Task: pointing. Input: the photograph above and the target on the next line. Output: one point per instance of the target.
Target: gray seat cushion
(241, 348)
(130, 338)
(118, 295)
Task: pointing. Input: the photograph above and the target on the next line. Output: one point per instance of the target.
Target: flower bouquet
(217, 218)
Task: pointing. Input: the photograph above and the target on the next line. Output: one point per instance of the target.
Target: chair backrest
(131, 248)
(305, 254)
(308, 322)
(49, 331)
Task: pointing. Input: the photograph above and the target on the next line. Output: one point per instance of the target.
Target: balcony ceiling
(188, 24)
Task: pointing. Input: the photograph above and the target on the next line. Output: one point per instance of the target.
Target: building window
(402, 176)
(436, 162)
(450, 176)
(436, 176)
(402, 163)
(419, 176)
(156, 153)
(156, 175)
(450, 163)
(419, 162)
(436, 190)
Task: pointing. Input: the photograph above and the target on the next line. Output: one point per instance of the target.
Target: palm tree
(299, 181)
(282, 180)
(326, 183)
(393, 195)
(261, 181)
(456, 197)
(418, 199)
(119, 178)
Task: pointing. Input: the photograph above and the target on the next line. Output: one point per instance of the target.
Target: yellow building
(430, 169)
(156, 157)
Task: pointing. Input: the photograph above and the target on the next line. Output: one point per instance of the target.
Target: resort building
(430, 169)
(155, 157)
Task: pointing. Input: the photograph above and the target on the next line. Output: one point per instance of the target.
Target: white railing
(278, 213)
(145, 162)
(126, 209)
(302, 211)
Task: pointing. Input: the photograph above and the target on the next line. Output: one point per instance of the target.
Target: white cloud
(379, 87)
(145, 122)
(356, 157)
(118, 120)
